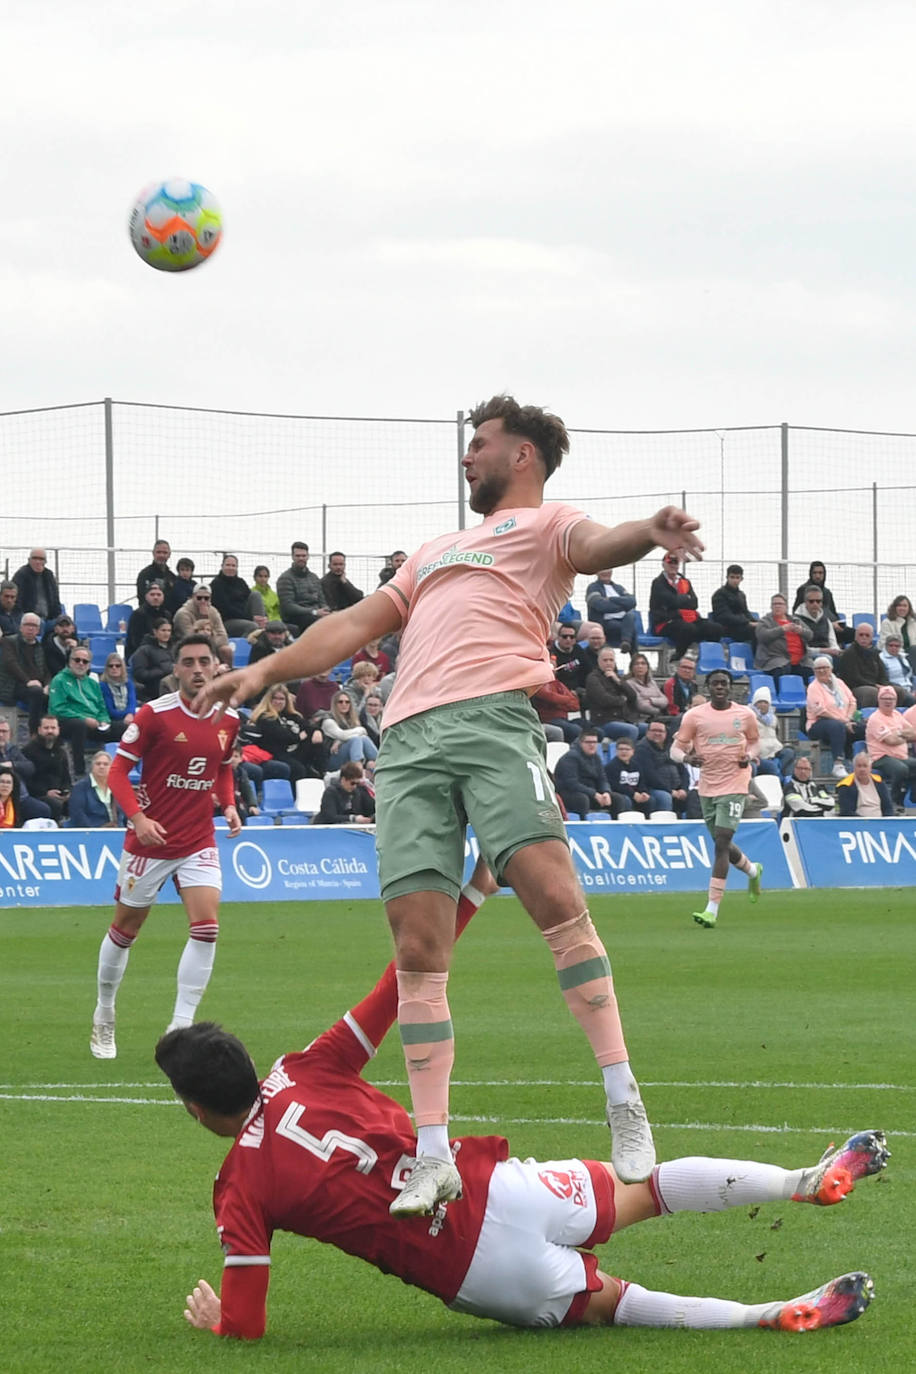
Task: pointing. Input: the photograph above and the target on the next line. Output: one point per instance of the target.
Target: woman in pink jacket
(831, 708)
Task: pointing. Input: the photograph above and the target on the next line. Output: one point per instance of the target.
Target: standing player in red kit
(185, 760)
(320, 1152)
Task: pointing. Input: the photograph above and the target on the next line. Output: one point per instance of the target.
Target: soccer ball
(175, 224)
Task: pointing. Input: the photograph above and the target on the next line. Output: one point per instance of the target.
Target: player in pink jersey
(185, 761)
(722, 738)
(320, 1152)
(462, 744)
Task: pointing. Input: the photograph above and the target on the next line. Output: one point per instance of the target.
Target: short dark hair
(299, 544)
(262, 567)
(719, 672)
(196, 638)
(352, 769)
(590, 733)
(8, 586)
(338, 553)
(207, 1065)
(547, 432)
(160, 620)
(185, 563)
(734, 568)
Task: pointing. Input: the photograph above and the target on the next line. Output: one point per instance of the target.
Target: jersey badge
(131, 733)
(223, 737)
(506, 526)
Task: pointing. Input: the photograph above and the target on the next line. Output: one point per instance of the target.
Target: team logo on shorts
(570, 1186)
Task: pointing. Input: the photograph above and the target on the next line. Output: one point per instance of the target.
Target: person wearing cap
(140, 623)
(775, 757)
(273, 637)
(888, 736)
(673, 609)
(829, 719)
(57, 642)
(897, 667)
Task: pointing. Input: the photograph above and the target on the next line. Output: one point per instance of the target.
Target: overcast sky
(643, 215)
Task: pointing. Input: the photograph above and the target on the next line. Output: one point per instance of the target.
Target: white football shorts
(140, 877)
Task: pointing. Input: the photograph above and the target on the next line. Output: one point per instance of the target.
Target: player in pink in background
(320, 1152)
(185, 763)
(722, 738)
(462, 744)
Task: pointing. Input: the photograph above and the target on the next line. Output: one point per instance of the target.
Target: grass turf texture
(107, 1201)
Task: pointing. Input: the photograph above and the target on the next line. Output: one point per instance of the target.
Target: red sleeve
(121, 788)
(225, 786)
(243, 1301)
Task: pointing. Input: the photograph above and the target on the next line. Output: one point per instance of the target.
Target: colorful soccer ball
(175, 224)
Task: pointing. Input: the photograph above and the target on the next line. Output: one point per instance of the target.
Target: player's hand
(231, 689)
(148, 831)
(672, 528)
(203, 1308)
(235, 821)
(744, 762)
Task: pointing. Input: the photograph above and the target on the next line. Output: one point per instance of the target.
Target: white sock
(475, 897)
(433, 1141)
(112, 967)
(194, 969)
(643, 1307)
(700, 1184)
(712, 907)
(619, 1083)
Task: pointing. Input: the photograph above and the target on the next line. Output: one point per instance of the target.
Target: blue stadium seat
(242, 651)
(341, 671)
(117, 611)
(259, 820)
(740, 658)
(710, 657)
(792, 693)
(277, 797)
(598, 816)
(644, 639)
(864, 618)
(763, 680)
(87, 618)
(100, 646)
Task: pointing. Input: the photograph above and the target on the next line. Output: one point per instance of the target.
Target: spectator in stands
(823, 637)
(346, 739)
(157, 571)
(553, 702)
(392, 563)
(888, 737)
(806, 799)
(831, 707)
(301, 597)
(651, 702)
(182, 589)
(274, 637)
(118, 691)
(580, 777)
(628, 791)
(348, 801)
(588, 646)
(774, 757)
(863, 792)
(729, 607)
(668, 782)
(51, 782)
(782, 642)
(241, 608)
(612, 607)
(363, 678)
(140, 624)
(315, 695)
(198, 615)
(152, 662)
(681, 691)
(11, 816)
(861, 668)
(92, 803)
(268, 596)
(673, 609)
(370, 717)
(246, 797)
(611, 701)
(374, 654)
(339, 591)
(13, 757)
(901, 620)
(57, 642)
(276, 725)
(898, 669)
(24, 674)
(75, 698)
(10, 613)
(38, 587)
(817, 577)
(566, 657)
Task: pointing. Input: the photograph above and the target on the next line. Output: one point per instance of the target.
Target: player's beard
(488, 492)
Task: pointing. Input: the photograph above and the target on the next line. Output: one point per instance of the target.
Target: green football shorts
(481, 761)
(725, 812)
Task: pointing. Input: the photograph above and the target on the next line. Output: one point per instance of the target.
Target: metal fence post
(109, 501)
(459, 421)
(784, 511)
(324, 538)
(874, 553)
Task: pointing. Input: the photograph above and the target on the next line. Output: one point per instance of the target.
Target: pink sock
(425, 1024)
(584, 973)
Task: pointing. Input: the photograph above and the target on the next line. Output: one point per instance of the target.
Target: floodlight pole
(109, 501)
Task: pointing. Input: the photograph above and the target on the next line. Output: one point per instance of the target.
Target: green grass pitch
(787, 1027)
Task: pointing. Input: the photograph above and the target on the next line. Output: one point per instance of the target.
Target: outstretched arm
(593, 547)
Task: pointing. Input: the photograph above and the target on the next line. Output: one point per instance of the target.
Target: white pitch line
(549, 1083)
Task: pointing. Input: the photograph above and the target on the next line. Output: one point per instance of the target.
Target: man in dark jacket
(270, 641)
(861, 668)
(302, 599)
(152, 661)
(24, 674)
(729, 607)
(51, 782)
(667, 782)
(38, 587)
(580, 778)
(157, 571)
(628, 789)
(140, 624)
(347, 802)
(862, 793)
(57, 642)
(13, 757)
(613, 608)
(673, 609)
(339, 591)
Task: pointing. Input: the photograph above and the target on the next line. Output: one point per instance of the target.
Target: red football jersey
(320, 1156)
(185, 763)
